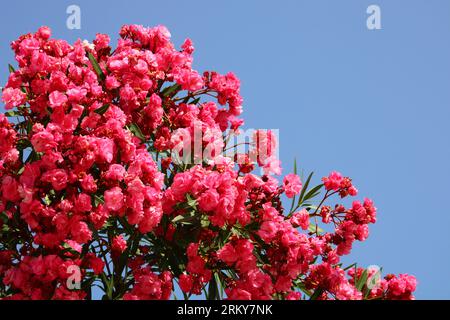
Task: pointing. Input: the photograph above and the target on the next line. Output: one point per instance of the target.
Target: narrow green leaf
(313, 192)
(102, 109)
(12, 113)
(98, 200)
(11, 68)
(316, 294)
(196, 101)
(109, 283)
(350, 266)
(183, 219)
(204, 222)
(213, 292)
(29, 126)
(219, 285)
(171, 91)
(178, 218)
(362, 280)
(134, 128)
(191, 201)
(304, 188)
(96, 66)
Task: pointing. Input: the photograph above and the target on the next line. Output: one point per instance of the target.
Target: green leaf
(183, 219)
(12, 113)
(178, 218)
(96, 66)
(350, 266)
(302, 287)
(316, 294)
(362, 280)
(312, 228)
(47, 200)
(171, 91)
(134, 128)
(304, 188)
(195, 101)
(109, 284)
(98, 200)
(22, 144)
(11, 68)
(219, 285)
(191, 201)
(213, 291)
(313, 192)
(4, 216)
(102, 109)
(29, 126)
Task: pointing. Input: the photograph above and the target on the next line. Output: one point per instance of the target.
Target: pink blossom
(293, 295)
(189, 80)
(186, 281)
(301, 219)
(83, 203)
(292, 185)
(333, 181)
(119, 244)
(43, 141)
(273, 165)
(13, 97)
(10, 189)
(96, 263)
(57, 177)
(80, 232)
(57, 99)
(74, 245)
(209, 200)
(114, 199)
(76, 94)
(227, 254)
(44, 32)
(115, 172)
(268, 230)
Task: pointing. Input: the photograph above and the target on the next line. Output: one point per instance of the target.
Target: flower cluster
(91, 184)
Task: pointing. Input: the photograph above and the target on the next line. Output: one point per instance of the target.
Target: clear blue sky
(374, 105)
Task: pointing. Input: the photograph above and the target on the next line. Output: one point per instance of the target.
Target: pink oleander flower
(119, 244)
(292, 185)
(186, 282)
(13, 97)
(333, 181)
(57, 99)
(301, 219)
(272, 166)
(114, 199)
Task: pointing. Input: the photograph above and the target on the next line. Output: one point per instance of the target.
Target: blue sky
(372, 104)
